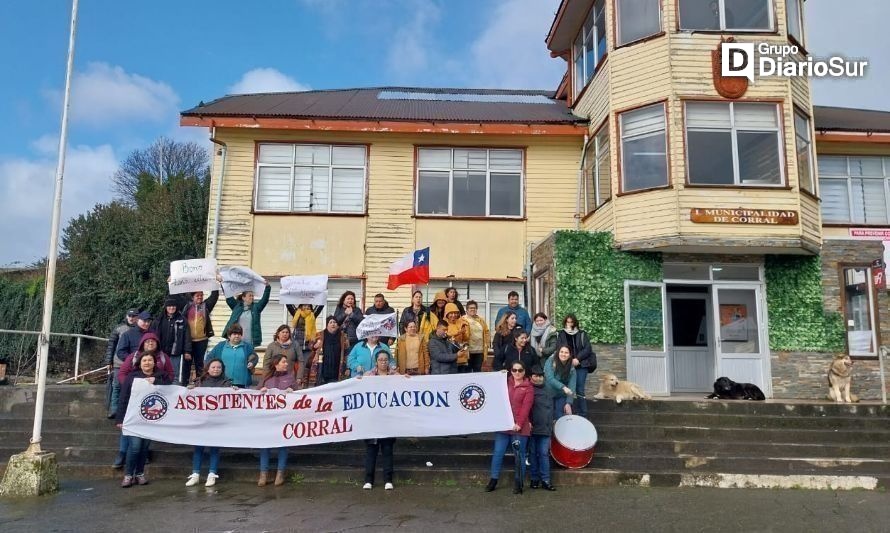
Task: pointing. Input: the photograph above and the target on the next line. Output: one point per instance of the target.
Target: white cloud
(105, 94)
(266, 80)
(412, 43)
(26, 193)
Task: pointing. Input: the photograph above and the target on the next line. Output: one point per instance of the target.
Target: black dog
(727, 389)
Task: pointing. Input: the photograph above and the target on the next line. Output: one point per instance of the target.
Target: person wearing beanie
(112, 388)
(542, 428)
(175, 340)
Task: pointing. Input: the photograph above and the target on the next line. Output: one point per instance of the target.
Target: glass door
(741, 354)
(644, 322)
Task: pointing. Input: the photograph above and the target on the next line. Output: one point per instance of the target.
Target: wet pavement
(100, 505)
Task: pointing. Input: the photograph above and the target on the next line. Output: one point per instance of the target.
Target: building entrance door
(742, 354)
(690, 353)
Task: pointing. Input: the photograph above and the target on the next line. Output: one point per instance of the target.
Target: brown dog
(840, 378)
(612, 387)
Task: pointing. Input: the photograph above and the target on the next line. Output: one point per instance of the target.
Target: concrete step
(740, 420)
(770, 407)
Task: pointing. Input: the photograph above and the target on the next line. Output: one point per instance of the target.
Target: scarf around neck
(308, 323)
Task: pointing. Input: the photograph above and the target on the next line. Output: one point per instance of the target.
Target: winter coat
(547, 345)
(510, 354)
(111, 357)
(486, 332)
(552, 380)
(127, 389)
(236, 359)
(333, 364)
(275, 348)
(502, 342)
(129, 341)
(522, 397)
(349, 323)
(522, 319)
(443, 355)
(362, 356)
(423, 354)
(460, 306)
(209, 304)
(585, 354)
(542, 411)
(163, 365)
(298, 333)
(215, 382)
(279, 380)
(255, 335)
(408, 315)
(173, 333)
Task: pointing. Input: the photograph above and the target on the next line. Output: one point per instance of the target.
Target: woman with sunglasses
(522, 396)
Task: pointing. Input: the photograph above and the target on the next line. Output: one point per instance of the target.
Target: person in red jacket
(149, 343)
(522, 397)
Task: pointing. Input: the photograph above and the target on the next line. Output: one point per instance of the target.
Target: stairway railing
(77, 336)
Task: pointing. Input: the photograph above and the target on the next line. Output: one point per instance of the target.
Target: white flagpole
(43, 340)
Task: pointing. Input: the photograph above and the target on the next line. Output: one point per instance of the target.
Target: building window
(644, 148)
(311, 178)
(490, 295)
(542, 294)
(637, 19)
(858, 311)
(733, 144)
(726, 15)
(590, 45)
(469, 182)
(854, 189)
(804, 152)
(275, 313)
(794, 12)
(597, 171)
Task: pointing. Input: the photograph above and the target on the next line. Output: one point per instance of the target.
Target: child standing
(214, 376)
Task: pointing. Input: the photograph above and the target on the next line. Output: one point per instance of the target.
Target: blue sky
(138, 63)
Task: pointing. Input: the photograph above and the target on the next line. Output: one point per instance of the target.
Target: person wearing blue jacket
(523, 320)
(237, 355)
(363, 356)
(559, 374)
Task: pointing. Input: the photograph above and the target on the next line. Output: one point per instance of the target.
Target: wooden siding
(594, 103)
(603, 219)
(640, 74)
(645, 215)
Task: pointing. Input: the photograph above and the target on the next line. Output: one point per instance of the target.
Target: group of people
(547, 367)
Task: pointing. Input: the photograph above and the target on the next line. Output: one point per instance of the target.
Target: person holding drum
(522, 396)
(560, 377)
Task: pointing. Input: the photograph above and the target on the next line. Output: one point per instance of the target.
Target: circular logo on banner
(472, 397)
(153, 407)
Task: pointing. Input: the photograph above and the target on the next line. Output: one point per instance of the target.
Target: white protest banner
(296, 290)
(371, 407)
(238, 279)
(377, 326)
(192, 275)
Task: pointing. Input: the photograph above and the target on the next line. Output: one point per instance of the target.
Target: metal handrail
(78, 336)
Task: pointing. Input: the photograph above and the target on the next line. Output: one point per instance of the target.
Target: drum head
(575, 432)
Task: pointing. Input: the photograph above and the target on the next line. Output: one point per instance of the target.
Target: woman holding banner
(348, 316)
(279, 375)
(237, 355)
(382, 367)
(522, 397)
(246, 313)
(137, 450)
(214, 376)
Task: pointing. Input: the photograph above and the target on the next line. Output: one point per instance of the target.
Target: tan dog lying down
(612, 387)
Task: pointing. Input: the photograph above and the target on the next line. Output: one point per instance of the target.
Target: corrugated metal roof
(847, 119)
(398, 104)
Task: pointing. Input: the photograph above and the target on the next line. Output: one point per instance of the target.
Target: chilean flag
(412, 268)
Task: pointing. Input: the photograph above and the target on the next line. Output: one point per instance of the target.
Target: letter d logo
(737, 60)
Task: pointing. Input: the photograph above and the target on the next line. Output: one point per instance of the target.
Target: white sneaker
(211, 480)
(367, 486)
(388, 486)
(193, 480)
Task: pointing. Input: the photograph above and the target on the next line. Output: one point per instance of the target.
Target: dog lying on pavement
(840, 378)
(612, 387)
(727, 389)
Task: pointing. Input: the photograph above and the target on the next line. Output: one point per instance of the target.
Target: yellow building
(345, 182)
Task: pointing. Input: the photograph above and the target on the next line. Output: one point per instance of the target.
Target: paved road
(98, 506)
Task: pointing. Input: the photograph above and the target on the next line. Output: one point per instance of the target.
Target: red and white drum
(573, 440)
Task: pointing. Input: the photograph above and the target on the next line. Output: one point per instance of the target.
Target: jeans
(539, 456)
(304, 359)
(137, 452)
(199, 350)
(265, 454)
(476, 362)
(559, 405)
(115, 391)
(385, 446)
(580, 406)
(502, 441)
(124, 444)
(198, 457)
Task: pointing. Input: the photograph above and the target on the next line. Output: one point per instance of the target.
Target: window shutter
(755, 116)
(349, 190)
(643, 121)
(276, 154)
(835, 203)
(273, 189)
(310, 154)
(832, 165)
(505, 159)
(707, 116)
(869, 204)
(434, 158)
(348, 156)
(465, 159)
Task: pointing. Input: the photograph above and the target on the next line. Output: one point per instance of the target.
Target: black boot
(533, 484)
(492, 483)
(547, 486)
(517, 486)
